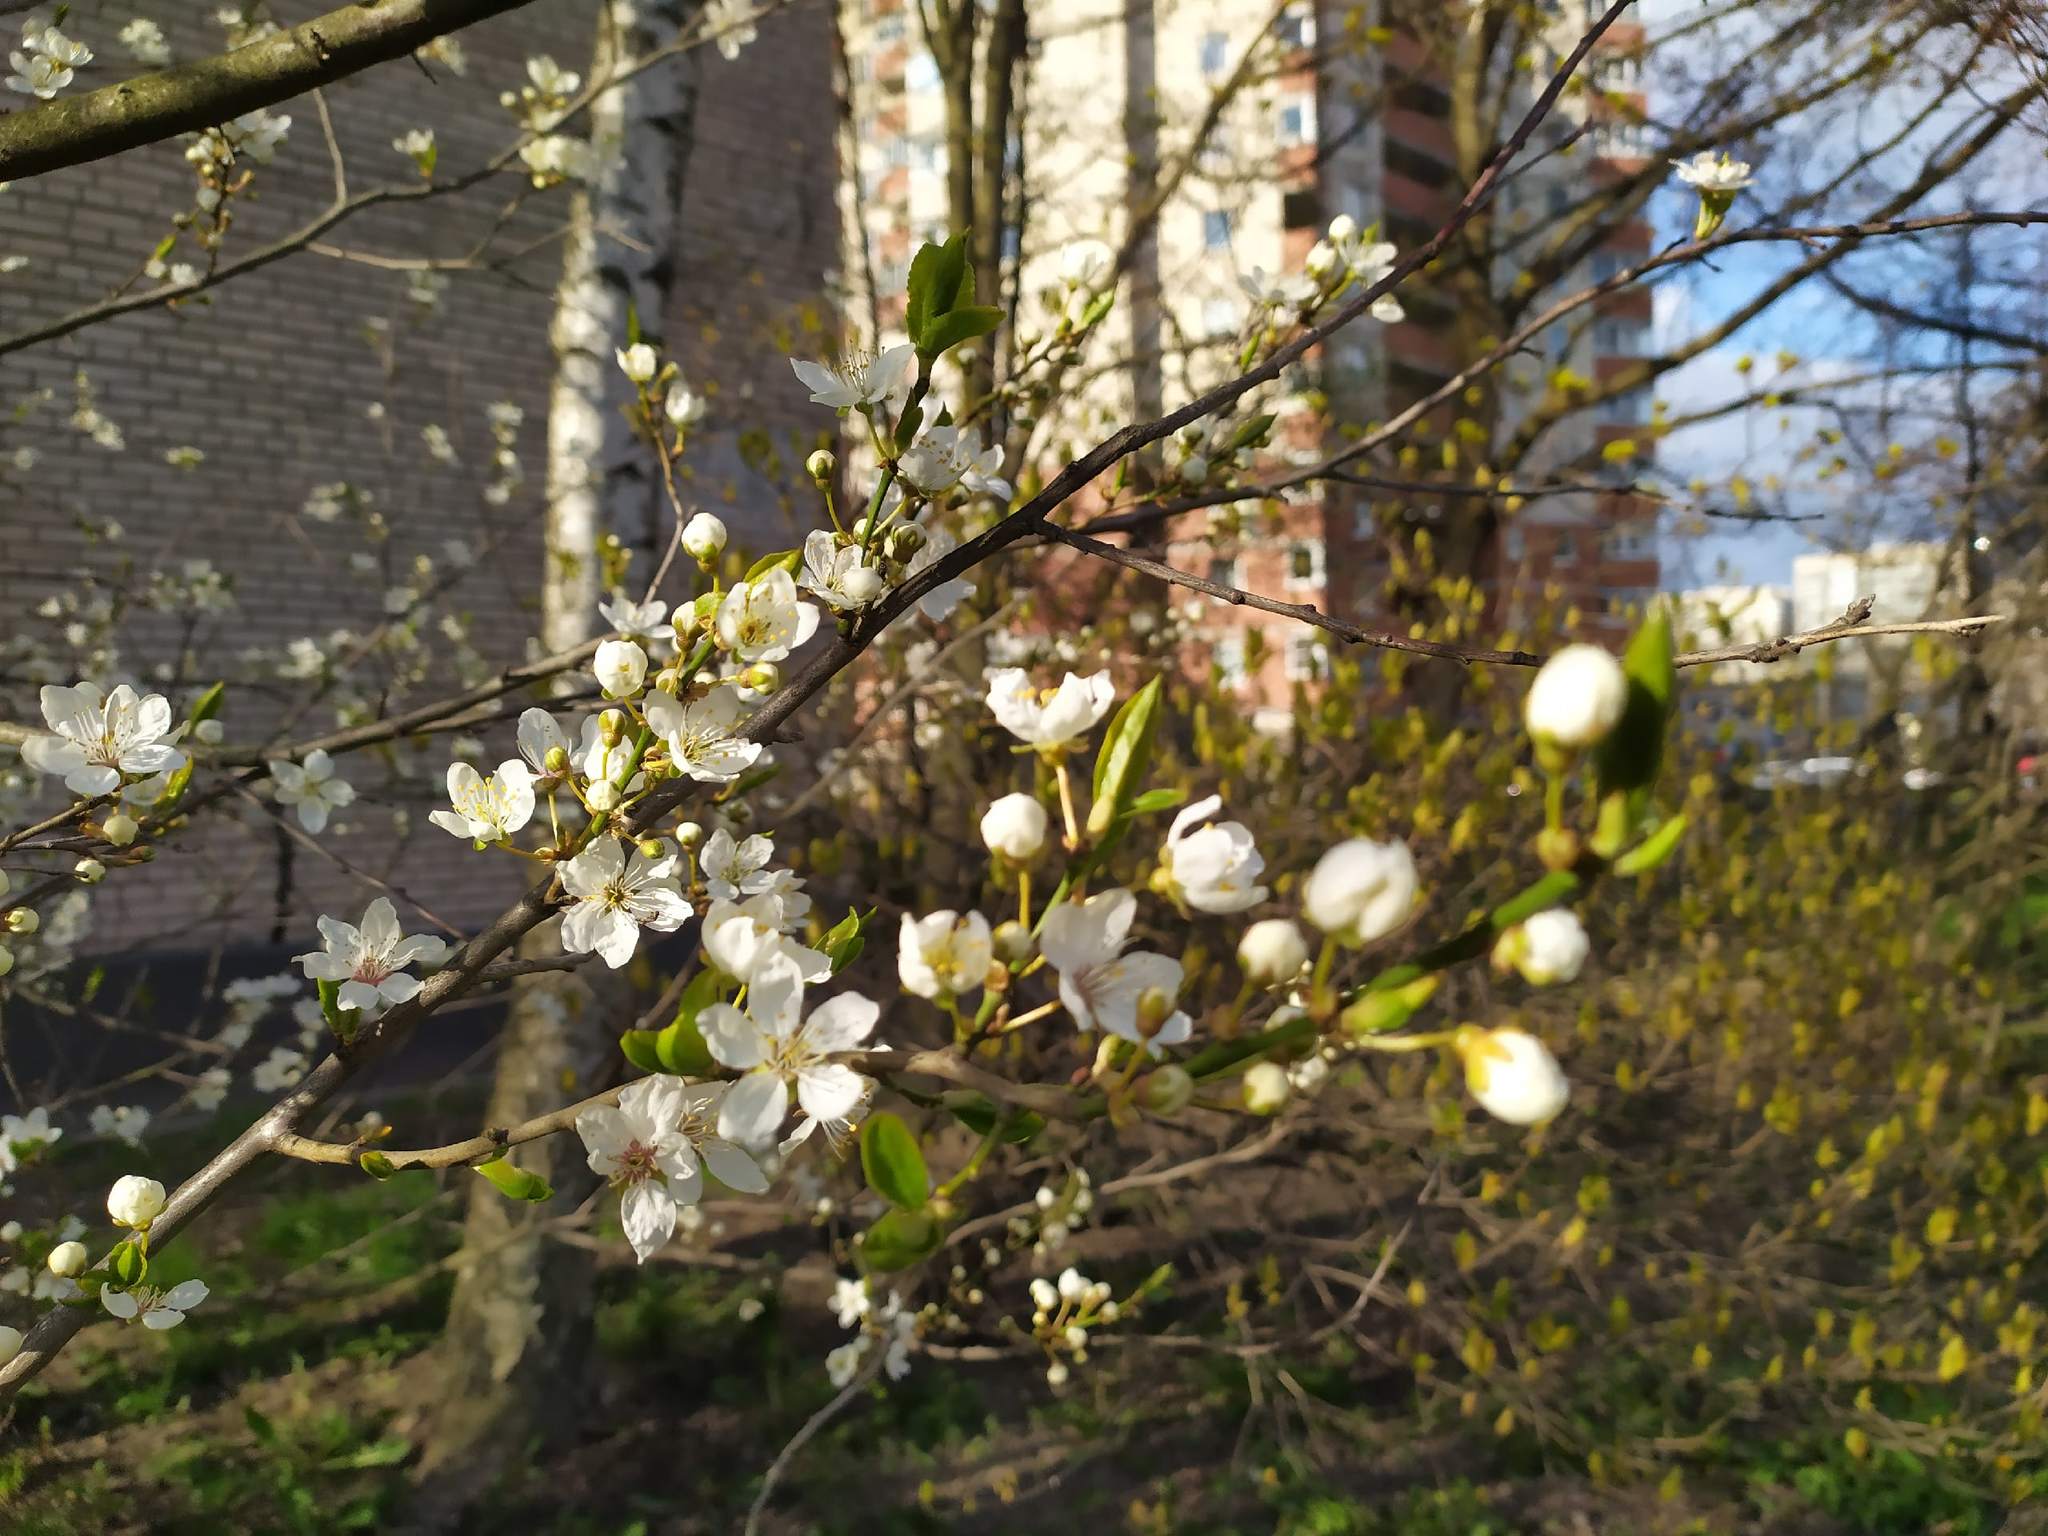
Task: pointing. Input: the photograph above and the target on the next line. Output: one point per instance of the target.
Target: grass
(284, 1407)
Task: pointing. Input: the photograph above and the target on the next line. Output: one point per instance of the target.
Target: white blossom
(135, 1201)
(539, 735)
(311, 787)
(735, 868)
(620, 667)
(762, 620)
(859, 379)
(487, 809)
(936, 604)
(1361, 890)
(157, 1309)
(944, 954)
(653, 1146)
(1512, 1075)
(700, 736)
(732, 23)
(638, 622)
(1282, 290)
(779, 1050)
(1272, 952)
(838, 573)
(98, 738)
(703, 537)
(369, 961)
(741, 937)
(1048, 718)
(615, 897)
(1211, 868)
(1100, 986)
(943, 457)
(1577, 698)
(1546, 949)
(1708, 172)
(1085, 263)
(1014, 827)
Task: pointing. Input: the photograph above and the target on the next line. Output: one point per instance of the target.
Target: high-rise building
(1230, 136)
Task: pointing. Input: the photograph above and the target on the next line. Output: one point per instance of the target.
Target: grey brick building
(325, 368)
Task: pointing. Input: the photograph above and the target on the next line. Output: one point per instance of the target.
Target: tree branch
(188, 97)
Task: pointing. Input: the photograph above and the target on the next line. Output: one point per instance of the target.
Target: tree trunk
(510, 1362)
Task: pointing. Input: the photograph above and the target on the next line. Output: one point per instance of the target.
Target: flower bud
(6, 959)
(89, 870)
(820, 465)
(638, 362)
(557, 760)
(703, 538)
(611, 727)
(1266, 1088)
(1549, 948)
(1014, 827)
(1272, 952)
(860, 530)
(621, 667)
(68, 1260)
(1155, 1006)
(683, 406)
(1166, 1091)
(905, 541)
(119, 829)
(1343, 227)
(1361, 890)
(1322, 262)
(1011, 942)
(1577, 698)
(207, 732)
(1512, 1074)
(652, 848)
(1044, 1295)
(603, 795)
(135, 1201)
(689, 833)
(10, 1343)
(863, 584)
(762, 677)
(23, 920)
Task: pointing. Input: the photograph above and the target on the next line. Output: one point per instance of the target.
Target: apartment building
(1246, 131)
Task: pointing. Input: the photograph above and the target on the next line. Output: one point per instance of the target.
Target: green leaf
(788, 559)
(908, 424)
(900, 1238)
(208, 704)
(128, 1263)
(979, 1115)
(174, 788)
(894, 1166)
(1630, 756)
(1126, 755)
(638, 1047)
(847, 939)
(259, 1426)
(948, 331)
(343, 1021)
(514, 1182)
(1252, 431)
(936, 275)
(1652, 850)
(377, 1166)
(1156, 800)
(680, 1049)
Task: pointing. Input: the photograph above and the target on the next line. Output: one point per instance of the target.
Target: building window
(1632, 541)
(1618, 72)
(1298, 121)
(1297, 26)
(1228, 655)
(1618, 338)
(889, 28)
(1223, 571)
(1216, 229)
(1215, 52)
(1605, 265)
(1627, 409)
(1308, 659)
(1305, 563)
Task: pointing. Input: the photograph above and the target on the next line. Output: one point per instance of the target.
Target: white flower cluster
(888, 1326)
(44, 63)
(1062, 1312)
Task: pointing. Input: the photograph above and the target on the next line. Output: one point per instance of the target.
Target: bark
(72, 130)
(511, 1360)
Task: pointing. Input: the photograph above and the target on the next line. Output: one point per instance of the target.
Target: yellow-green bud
(820, 465)
(1011, 942)
(91, 871)
(557, 760)
(652, 848)
(611, 727)
(119, 829)
(1266, 1088)
(1155, 1004)
(905, 541)
(762, 677)
(1166, 1091)
(689, 833)
(22, 920)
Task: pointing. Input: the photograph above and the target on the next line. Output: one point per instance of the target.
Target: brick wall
(318, 369)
